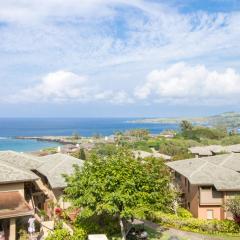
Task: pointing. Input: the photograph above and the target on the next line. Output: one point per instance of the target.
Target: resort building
(207, 183)
(51, 180)
(31, 184)
(212, 150)
(15, 197)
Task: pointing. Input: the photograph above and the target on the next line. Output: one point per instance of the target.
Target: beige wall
(192, 201)
(191, 195)
(8, 187)
(218, 212)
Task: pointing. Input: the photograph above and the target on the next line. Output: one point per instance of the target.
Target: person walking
(31, 227)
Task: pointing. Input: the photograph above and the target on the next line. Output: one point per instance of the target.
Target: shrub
(63, 234)
(79, 234)
(177, 148)
(98, 224)
(184, 213)
(59, 234)
(235, 139)
(197, 225)
(23, 235)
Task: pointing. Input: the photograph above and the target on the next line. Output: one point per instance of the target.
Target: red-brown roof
(12, 204)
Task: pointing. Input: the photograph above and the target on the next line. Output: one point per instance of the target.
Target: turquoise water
(24, 145)
(12, 127)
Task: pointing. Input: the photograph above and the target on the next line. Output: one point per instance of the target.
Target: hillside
(228, 119)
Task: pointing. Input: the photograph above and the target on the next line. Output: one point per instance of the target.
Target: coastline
(57, 139)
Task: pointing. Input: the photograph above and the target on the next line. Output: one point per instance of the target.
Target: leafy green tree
(120, 186)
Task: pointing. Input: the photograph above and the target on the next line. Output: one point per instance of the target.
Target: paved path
(179, 233)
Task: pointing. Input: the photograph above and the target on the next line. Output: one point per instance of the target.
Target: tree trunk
(122, 228)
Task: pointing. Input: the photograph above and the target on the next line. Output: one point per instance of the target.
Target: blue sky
(116, 58)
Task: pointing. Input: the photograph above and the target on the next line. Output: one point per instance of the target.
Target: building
(15, 198)
(206, 183)
(29, 184)
(68, 148)
(52, 180)
(211, 150)
(143, 154)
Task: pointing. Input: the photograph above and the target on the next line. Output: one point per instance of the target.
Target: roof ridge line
(227, 158)
(201, 167)
(57, 165)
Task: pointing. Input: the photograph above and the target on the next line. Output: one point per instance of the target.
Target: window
(177, 176)
(210, 214)
(188, 186)
(185, 182)
(189, 205)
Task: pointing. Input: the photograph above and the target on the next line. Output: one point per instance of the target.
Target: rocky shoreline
(58, 139)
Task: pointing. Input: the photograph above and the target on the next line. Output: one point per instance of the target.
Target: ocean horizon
(13, 127)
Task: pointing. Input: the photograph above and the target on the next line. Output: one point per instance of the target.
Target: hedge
(227, 227)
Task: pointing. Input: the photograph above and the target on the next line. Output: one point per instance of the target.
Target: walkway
(182, 234)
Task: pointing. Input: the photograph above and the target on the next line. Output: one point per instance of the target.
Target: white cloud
(115, 97)
(65, 86)
(190, 84)
(56, 87)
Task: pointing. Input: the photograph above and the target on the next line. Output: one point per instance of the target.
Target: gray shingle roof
(220, 171)
(209, 150)
(55, 165)
(21, 160)
(10, 173)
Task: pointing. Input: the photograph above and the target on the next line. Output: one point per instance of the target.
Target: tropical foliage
(120, 186)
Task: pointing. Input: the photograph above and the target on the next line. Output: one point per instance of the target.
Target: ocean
(12, 127)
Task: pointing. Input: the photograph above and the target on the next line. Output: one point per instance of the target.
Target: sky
(119, 58)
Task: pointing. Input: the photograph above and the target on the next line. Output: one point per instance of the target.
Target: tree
(121, 186)
(105, 149)
(76, 136)
(139, 133)
(233, 206)
(186, 126)
(80, 154)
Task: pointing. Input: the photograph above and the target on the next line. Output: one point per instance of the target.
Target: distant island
(227, 119)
